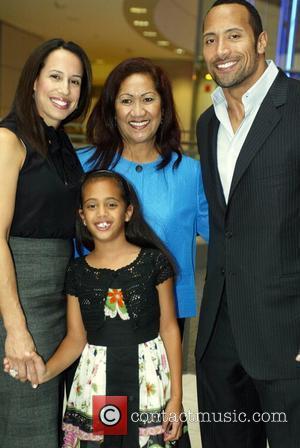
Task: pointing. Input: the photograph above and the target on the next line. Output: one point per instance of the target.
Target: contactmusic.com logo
(110, 415)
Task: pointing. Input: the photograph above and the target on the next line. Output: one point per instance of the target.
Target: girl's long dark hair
(137, 231)
(29, 124)
(102, 129)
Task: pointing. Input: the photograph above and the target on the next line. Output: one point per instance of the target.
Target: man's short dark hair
(254, 17)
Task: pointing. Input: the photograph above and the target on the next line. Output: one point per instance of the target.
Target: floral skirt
(91, 378)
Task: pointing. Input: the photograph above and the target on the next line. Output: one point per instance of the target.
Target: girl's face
(104, 211)
(138, 109)
(57, 87)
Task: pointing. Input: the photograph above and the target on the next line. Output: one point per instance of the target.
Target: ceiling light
(163, 43)
(150, 33)
(179, 51)
(141, 23)
(208, 77)
(136, 10)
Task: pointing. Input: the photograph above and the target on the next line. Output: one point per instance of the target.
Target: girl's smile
(103, 225)
(104, 211)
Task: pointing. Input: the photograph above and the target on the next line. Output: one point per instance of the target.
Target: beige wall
(15, 47)
(270, 16)
(296, 65)
(180, 74)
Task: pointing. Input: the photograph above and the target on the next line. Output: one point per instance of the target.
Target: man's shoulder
(286, 92)
(284, 87)
(204, 120)
(294, 87)
(206, 115)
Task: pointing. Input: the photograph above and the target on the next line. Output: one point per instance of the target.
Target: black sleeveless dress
(41, 246)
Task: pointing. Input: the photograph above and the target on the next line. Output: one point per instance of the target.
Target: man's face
(230, 52)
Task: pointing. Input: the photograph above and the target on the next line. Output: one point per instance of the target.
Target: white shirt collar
(255, 95)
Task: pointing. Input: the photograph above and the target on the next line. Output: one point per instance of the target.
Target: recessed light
(150, 33)
(179, 51)
(141, 23)
(163, 43)
(137, 10)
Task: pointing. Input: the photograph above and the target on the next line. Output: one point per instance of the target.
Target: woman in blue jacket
(134, 131)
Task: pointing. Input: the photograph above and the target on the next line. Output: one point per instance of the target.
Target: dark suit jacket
(254, 246)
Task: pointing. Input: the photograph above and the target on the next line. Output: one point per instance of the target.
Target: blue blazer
(174, 204)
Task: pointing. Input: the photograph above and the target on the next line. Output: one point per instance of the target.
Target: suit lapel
(213, 160)
(266, 119)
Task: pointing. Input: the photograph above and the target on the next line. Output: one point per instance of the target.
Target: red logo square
(110, 415)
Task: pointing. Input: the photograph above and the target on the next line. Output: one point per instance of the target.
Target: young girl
(122, 320)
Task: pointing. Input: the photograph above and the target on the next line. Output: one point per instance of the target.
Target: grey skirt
(30, 418)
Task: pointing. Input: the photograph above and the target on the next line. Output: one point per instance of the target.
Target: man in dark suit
(249, 329)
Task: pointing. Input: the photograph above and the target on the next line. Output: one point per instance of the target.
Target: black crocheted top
(133, 287)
